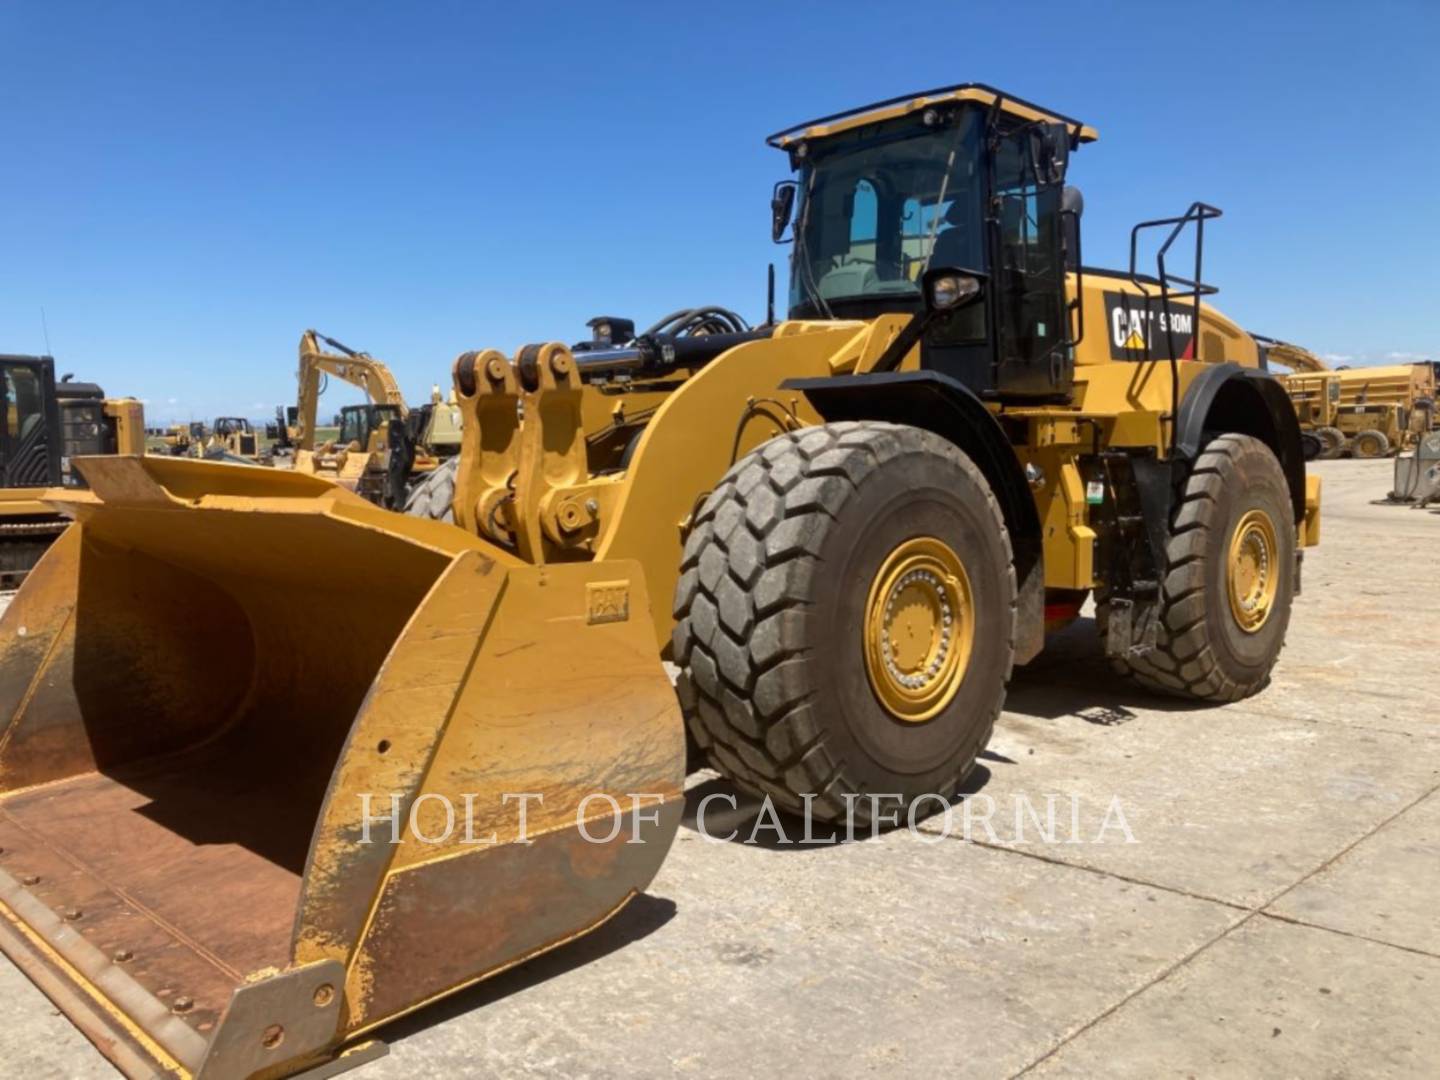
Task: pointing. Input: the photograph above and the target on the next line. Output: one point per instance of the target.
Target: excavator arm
(1294, 357)
(357, 368)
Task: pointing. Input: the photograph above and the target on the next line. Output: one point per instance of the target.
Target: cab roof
(908, 103)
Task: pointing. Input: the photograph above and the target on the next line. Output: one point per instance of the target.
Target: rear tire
(1333, 440)
(778, 626)
(1370, 444)
(434, 496)
(1310, 445)
(1203, 650)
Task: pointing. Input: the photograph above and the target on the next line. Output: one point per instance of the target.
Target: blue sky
(187, 186)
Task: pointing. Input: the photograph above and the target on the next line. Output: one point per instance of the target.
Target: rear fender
(1228, 398)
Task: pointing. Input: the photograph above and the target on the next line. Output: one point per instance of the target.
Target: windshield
(877, 210)
(354, 426)
(358, 421)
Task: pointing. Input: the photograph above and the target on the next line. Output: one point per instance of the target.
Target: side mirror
(950, 289)
(782, 205)
(1050, 151)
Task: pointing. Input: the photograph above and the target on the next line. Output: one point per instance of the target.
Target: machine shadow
(1072, 677)
(640, 918)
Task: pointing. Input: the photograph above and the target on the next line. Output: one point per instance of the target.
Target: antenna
(45, 329)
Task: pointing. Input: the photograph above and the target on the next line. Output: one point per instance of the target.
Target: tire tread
(746, 684)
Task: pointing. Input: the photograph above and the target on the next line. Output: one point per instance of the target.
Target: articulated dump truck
(278, 765)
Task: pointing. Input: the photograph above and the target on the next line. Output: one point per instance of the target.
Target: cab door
(1033, 355)
(29, 424)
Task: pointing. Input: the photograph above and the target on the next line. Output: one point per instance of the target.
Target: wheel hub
(919, 629)
(1252, 570)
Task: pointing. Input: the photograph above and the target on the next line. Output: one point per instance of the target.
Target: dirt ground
(1267, 908)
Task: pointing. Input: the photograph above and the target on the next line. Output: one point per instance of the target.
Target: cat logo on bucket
(607, 601)
(1140, 328)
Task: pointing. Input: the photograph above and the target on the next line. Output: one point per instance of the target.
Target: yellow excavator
(381, 445)
(236, 847)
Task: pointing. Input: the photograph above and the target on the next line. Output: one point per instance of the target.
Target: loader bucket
(277, 766)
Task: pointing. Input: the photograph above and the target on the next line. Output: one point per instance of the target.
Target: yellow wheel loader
(232, 848)
(44, 426)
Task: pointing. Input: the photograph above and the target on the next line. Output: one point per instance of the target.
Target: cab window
(24, 404)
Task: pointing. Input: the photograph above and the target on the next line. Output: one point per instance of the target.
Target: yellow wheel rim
(919, 629)
(1253, 570)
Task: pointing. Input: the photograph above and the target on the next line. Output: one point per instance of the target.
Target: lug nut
(324, 995)
(123, 956)
(273, 1036)
(30, 879)
(72, 914)
(182, 1005)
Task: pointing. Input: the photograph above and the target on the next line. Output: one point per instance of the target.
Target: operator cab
(29, 422)
(359, 422)
(965, 179)
(45, 423)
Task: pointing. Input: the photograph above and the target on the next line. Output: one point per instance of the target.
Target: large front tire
(845, 619)
(1226, 596)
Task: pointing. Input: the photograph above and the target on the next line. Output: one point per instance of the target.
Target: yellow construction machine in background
(1366, 412)
(182, 440)
(44, 426)
(230, 438)
(1383, 410)
(382, 445)
(234, 845)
